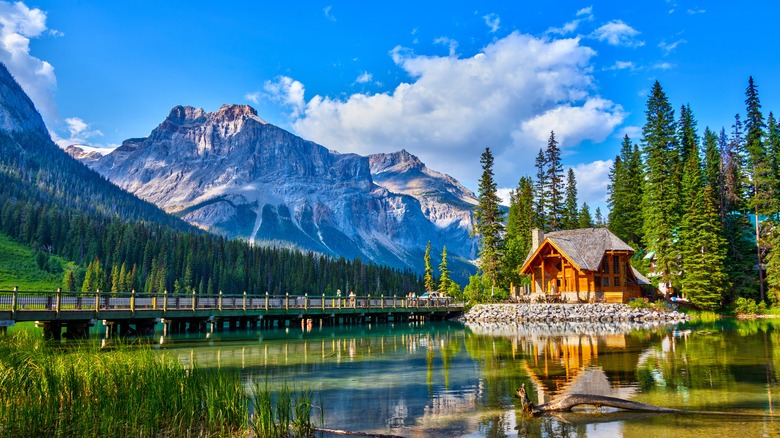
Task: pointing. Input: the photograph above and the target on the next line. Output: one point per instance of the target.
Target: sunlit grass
(49, 390)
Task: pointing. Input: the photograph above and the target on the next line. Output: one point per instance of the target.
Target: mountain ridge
(231, 172)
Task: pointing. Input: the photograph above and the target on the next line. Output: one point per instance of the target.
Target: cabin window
(617, 281)
(597, 281)
(605, 282)
(605, 265)
(615, 264)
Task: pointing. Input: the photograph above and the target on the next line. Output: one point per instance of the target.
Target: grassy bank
(29, 270)
(82, 391)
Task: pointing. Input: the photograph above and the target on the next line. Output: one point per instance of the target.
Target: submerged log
(566, 402)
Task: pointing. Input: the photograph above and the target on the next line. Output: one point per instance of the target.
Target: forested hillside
(56, 206)
(703, 206)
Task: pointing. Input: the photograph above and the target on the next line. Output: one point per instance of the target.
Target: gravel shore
(597, 312)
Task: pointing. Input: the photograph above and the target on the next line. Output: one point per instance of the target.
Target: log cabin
(583, 265)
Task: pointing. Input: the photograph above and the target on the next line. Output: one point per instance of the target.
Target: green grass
(19, 267)
(55, 389)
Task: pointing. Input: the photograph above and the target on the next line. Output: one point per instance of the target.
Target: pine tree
(762, 200)
(570, 206)
(687, 134)
(114, 278)
(773, 150)
(517, 242)
(488, 219)
(599, 218)
(444, 273)
(540, 208)
(713, 165)
(554, 178)
(661, 192)
(429, 283)
(69, 281)
(584, 220)
(703, 248)
(625, 194)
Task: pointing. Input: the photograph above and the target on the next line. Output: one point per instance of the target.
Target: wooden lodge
(583, 265)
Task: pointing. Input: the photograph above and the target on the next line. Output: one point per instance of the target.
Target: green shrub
(747, 307)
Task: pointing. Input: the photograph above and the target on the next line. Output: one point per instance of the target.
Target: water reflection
(446, 379)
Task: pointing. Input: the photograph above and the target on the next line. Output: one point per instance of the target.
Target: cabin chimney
(537, 236)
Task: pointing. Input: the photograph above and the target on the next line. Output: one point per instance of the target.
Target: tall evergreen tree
(625, 194)
(69, 281)
(584, 220)
(540, 198)
(713, 169)
(444, 273)
(569, 221)
(687, 134)
(430, 285)
(661, 191)
(773, 150)
(555, 189)
(599, 219)
(762, 200)
(517, 242)
(703, 248)
(488, 221)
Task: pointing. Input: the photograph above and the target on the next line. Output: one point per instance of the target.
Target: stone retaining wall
(567, 312)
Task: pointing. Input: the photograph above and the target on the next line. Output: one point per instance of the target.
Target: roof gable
(584, 247)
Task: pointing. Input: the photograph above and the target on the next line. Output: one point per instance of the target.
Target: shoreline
(594, 312)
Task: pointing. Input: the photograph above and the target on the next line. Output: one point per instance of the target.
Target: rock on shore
(596, 312)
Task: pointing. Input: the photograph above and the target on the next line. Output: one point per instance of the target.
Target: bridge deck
(19, 306)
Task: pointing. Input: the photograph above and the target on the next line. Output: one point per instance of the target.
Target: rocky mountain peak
(17, 111)
(399, 161)
(233, 112)
(186, 115)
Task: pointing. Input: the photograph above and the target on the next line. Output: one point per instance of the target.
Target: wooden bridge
(130, 313)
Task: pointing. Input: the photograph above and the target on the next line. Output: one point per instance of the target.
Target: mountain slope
(231, 172)
(33, 169)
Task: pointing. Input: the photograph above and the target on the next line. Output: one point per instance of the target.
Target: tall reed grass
(84, 391)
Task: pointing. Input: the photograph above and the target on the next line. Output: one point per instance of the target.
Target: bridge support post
(52, 330)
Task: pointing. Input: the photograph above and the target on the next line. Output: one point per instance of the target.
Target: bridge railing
(21, 301)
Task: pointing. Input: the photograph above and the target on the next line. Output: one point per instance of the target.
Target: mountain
(233, 173)
(35, 171)
(84, 153)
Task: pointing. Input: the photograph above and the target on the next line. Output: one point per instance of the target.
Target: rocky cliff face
(233, 173)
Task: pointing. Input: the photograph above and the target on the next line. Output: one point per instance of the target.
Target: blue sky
(441, 79)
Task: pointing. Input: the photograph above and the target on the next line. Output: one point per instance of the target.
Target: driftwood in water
(353, 433)
(566, 402)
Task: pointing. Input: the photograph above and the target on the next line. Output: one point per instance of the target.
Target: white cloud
(592, 181)
(79, 133)
(669, 47)
(449, 42)
(364, 78)
(566, 29)
(505, 195)
(662, 66)
(327, 10)
(696, 11)
(623, 65)
(503, 97)
(18, 24)
(493, 21)
(584, 14)
(585, 11)
(253, 97)
(594, 120)
(288, 92)
(633, 132)
(618, 33)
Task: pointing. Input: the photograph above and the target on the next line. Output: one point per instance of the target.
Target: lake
(449, 379)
